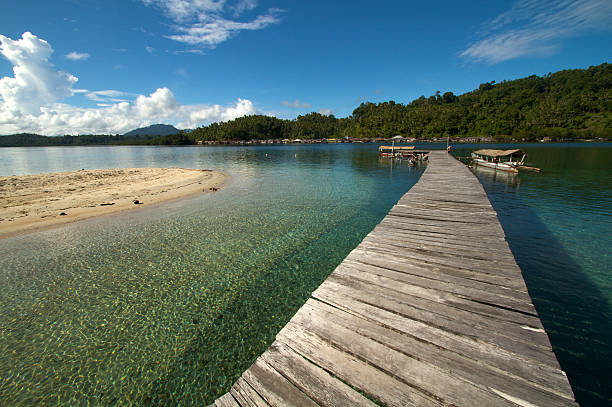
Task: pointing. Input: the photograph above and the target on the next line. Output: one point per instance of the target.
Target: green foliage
(171, 140)
(570, 104)
(243, 128)
(258, 127)
(25, 139)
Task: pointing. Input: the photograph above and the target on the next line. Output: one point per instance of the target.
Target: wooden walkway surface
(429, 310)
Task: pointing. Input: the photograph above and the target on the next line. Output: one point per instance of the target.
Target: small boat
(502, 160)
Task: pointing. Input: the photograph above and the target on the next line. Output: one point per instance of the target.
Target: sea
(169, 304)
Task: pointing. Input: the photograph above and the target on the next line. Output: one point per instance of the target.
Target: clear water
(168, 305)
(559, 227)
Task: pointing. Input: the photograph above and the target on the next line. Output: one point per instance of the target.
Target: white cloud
(536, 28)
(77, 56)
(242, 6)
(206, 22)
(325, 111)
(187, 10)
(36, 83)
(105, 96)
(296, 104)
(196, 115)
(31, 100)
(149, 49)
(188, 51)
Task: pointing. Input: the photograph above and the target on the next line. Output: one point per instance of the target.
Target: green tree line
(30, 140)
(569, 104)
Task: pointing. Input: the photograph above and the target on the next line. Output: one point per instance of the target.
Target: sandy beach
(33, 202)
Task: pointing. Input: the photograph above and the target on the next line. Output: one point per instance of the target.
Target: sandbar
(34, 202)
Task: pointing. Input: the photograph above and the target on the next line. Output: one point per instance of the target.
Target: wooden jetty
(429, 310)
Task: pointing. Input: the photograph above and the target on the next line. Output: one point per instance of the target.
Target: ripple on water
(169, 305)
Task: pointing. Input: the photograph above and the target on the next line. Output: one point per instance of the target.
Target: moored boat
(502, 160)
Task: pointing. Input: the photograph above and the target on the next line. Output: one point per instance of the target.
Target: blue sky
(108, 66)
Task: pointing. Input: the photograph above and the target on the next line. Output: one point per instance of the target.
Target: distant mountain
(154, 130)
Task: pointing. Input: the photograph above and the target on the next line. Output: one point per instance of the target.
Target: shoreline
(30, 203)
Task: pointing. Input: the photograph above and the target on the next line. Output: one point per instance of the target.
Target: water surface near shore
(169, 304)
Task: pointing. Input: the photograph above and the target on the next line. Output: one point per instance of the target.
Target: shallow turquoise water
(168, 305)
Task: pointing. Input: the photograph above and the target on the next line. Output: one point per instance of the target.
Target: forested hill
(573, 103)
(153, 130)
(570, 104)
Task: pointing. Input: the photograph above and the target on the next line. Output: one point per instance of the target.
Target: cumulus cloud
(296, 104)
(31, 100)
(325, 111)
(77, 56)
(532, 28)
(209, 22)
(198, 114)
(36, 82)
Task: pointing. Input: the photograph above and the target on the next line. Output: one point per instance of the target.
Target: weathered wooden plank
(329, 322)
(419, 272)
(404, 231)
(440, 304)
(379, 384)
(441, 232)
(470, 347)
(441, 211)
(246, 395)
(471, 234)
(273, 387)
(425, 203)
(481, 218)
(449, 261)
(437, 253)
(510, 341)
(417, 373)
(474, 293)
(226, 401)
(422, 193)
(511, 282)
(447, 246)
(504, 279)
(495, 310)
(319, 385)
(456, 225)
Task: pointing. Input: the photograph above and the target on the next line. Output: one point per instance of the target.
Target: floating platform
(429, 310)
(400, 152)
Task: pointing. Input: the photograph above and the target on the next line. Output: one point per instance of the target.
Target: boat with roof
(502, 160)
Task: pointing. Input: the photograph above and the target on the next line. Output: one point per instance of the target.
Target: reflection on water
(559, 227)
(500, 177)
(169, 304)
